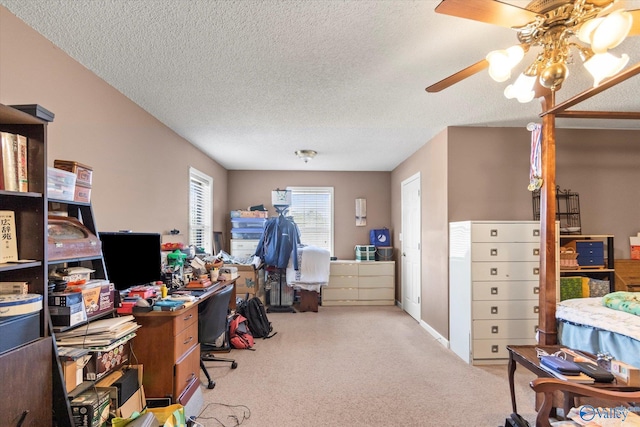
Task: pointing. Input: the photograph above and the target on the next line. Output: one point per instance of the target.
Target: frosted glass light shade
(611, 31)
(603, 65)
(521, 89)
(501, 62)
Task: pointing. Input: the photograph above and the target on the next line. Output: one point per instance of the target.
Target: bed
(586, 324)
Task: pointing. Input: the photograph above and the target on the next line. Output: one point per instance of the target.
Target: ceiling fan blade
(460, 75)
(489, 11)
(635, 27)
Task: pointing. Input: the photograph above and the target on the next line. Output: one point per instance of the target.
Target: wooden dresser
(360, 283)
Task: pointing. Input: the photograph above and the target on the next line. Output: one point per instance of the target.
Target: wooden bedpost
(547, 332)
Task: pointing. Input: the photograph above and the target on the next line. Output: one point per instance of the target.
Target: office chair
(212, 323)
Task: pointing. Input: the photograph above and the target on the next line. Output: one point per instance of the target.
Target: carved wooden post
(547, 333)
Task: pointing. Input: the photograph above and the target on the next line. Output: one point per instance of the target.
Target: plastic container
(61, 185)
(248, 222)
(250, 233)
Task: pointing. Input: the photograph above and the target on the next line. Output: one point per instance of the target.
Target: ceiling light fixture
(554, 31)
(306, 155)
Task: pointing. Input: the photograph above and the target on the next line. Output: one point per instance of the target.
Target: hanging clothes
(279, 242)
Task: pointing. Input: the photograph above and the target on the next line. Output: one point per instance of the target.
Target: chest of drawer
(483, 271)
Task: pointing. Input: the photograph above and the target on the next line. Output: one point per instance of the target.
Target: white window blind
(312, 210)
(200, 210)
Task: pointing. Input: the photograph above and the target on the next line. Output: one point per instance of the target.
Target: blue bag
(380, 237)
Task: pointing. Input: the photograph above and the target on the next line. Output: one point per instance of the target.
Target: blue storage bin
(249, 233)
(248, 222)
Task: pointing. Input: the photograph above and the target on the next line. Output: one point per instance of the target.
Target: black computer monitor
(131, 258)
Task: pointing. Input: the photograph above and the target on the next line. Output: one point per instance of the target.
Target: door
(411, 277)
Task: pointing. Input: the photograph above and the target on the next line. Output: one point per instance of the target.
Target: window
(312, 210)
(200, 210)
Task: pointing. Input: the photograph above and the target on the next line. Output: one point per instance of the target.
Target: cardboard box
(98, 298)
(249, 279)
(627, 373)
(126, 396)
(104, 361)
(90, 408)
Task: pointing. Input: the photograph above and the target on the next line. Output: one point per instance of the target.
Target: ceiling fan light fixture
(306, 155)
(613, 29)
(501, 62)
(603, 65)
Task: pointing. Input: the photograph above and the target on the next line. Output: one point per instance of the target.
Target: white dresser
(360, 283)
(494, 269)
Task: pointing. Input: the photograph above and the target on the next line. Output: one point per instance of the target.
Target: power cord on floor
(237, 420)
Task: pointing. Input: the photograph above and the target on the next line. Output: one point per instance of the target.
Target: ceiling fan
(556, 29)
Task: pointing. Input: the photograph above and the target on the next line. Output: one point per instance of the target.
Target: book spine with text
(21, 163)
(9, 157)
(8, 238)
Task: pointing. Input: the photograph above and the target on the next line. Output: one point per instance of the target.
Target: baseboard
(442, 340)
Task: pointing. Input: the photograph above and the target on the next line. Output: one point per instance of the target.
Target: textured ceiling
(250, 82)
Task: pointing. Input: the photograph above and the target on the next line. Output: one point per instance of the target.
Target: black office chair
(212, 324)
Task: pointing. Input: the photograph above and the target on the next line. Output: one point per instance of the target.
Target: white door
(410, 255)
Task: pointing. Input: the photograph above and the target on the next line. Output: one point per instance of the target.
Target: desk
(167, 346)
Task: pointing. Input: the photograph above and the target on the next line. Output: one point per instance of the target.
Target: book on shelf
(21, 163)
(8, 238)
(14, 162)
(581, 378)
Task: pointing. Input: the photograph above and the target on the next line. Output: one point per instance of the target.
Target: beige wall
(486, 177)
(141, 167)
(249, 188)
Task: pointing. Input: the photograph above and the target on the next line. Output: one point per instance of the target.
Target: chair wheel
(211, 385)
(234, 365)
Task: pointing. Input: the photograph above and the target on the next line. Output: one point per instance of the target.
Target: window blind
(200, 210)
(312, 210)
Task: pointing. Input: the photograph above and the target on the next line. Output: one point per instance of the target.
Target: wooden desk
(167, 346)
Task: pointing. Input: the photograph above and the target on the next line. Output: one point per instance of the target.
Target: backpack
(256, 315)
(239, 333)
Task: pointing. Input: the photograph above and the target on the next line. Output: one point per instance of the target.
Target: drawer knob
(494, 329)
(495, 349)
(494, 271)
(187, 317)
(536, 233)
(494, 232)
(536, 309)
(536, 271)
(494, 291)
(536, 290)
(494, 252)
(536, 251)
(188, 340)
(494, 310)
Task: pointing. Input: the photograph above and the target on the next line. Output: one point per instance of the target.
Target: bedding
(587, 324)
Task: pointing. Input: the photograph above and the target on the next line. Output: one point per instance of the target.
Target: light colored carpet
(358, 366)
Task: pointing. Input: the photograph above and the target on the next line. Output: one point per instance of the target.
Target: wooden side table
(527, 356)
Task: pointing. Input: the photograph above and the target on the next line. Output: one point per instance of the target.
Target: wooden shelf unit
(33, 360)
